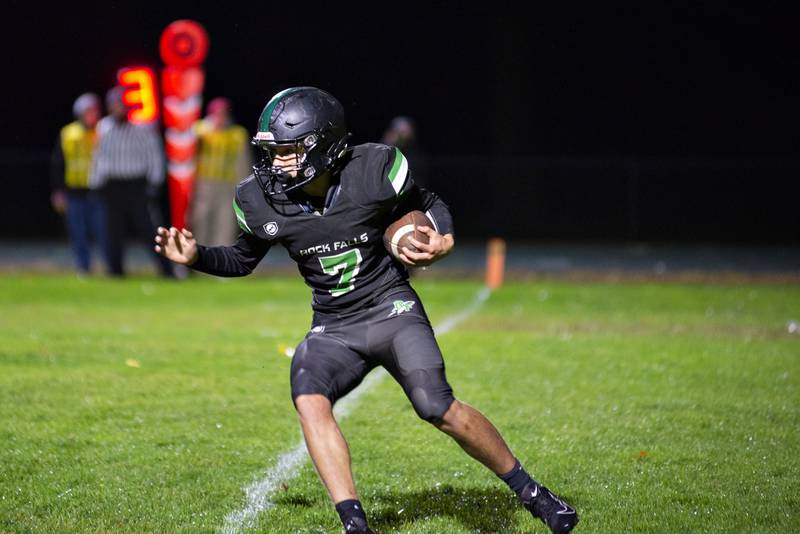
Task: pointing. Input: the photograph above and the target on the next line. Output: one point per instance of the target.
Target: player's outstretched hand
(179, 246)
(437, 247)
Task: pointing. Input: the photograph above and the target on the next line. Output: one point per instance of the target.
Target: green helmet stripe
(263, 124)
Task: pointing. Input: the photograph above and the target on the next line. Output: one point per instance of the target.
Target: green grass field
(147, 406)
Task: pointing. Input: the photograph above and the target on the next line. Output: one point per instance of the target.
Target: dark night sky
(708, 83)
(700, 81)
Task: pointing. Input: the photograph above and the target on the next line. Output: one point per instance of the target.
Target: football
(397, 234)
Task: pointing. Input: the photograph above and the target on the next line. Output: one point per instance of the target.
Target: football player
(328, 204)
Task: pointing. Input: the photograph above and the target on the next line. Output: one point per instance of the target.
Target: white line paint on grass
(455, 320)
(288, 465)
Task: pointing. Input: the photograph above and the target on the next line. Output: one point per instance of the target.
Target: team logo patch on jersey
(271, 228)
(401, 306)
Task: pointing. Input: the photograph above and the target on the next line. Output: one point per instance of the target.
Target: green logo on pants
(401, 306)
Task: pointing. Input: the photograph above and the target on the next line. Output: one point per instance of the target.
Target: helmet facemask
(307, 122)
(316, 153)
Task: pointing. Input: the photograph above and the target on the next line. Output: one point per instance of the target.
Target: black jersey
(340, 252)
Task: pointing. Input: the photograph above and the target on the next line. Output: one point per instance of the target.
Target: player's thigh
(415, 361)
(324, 365)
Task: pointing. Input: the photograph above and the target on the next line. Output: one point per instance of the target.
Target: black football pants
(394, 333)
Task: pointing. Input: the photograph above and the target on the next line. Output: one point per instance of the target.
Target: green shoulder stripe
(399, 172)
(240, 217)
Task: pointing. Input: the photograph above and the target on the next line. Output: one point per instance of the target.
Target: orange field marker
(495, 262)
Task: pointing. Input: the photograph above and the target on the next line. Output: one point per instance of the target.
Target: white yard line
(288, 465)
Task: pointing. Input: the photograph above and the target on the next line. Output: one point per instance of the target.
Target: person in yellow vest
(223, 159)
(71, 161)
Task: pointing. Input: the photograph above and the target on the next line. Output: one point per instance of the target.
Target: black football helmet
(308, 119)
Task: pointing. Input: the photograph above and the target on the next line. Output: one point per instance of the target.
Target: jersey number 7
(348, 263)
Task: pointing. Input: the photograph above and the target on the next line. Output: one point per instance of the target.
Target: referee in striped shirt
(128, 171)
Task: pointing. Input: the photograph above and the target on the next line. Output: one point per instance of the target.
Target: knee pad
(430, 398)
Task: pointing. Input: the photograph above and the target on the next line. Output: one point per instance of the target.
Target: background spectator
(71, 196)
(128, 171)
(402, 133)
(223, 158)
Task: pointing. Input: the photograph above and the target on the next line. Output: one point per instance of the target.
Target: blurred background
(591, 134)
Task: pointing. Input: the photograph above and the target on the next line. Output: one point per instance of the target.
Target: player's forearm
(237, 260)
(219, 261)
(434, 207)
(440, 216)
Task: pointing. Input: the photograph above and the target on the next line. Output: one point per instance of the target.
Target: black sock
(517, 479)
(352, 511)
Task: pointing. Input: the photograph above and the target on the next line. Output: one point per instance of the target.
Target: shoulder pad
(383, 171)
(245, 201)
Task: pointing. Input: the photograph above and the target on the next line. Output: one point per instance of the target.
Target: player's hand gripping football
(437, 247)
(179, 246)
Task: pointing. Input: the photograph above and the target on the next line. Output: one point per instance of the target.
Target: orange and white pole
(183, 47)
